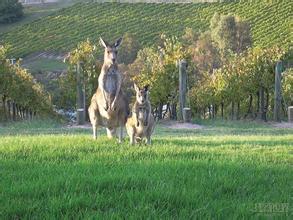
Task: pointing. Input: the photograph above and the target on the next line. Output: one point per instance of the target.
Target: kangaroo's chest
(142, 113)
(111, 81)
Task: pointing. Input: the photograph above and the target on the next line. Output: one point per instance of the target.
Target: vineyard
(61, 31)
(21, 96)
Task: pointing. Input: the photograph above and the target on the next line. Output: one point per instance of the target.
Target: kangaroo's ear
(103, 43)
(146, 88)
(136, 87)
(118, 42)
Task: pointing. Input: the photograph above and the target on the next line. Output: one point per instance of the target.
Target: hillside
(62, 30)
(35, 11)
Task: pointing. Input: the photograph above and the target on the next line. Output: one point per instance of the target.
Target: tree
(287, 87)
(128, 49)
(19, 87)
(223, 31)
(241, 80)
(10, 11)
(205, 55)
(157, 68)
(230, 33)
(189, 37)
(243, 35)
(202, 94)
(86, 54)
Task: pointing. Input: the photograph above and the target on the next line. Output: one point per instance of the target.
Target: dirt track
(281, 125)
(180, 125)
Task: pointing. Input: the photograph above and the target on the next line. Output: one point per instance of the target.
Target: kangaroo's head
(111, 50)
(142, 95)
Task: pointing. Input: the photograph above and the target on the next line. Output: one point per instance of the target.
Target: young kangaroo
(109, 106)
(141, 123)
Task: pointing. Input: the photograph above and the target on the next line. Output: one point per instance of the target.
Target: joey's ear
(103, 43)
(146, 88)
(118, 42)
(136, 87)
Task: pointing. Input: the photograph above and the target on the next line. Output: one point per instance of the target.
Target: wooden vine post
(184, 113)
(13, 111)
(12, 61)
(262, 111)
(278, 95)
(80, 98)
(290, 114)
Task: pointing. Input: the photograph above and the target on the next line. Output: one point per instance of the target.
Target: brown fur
(109, 106)
(141, 123)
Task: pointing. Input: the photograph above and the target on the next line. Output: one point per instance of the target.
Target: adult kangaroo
(109, 106)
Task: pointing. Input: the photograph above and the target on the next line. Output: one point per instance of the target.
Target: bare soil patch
(165, 123)
(281, 124)
(180, 125)
(85, 126)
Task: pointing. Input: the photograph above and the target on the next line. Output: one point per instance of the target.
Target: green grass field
(43, 64)
(224, 170)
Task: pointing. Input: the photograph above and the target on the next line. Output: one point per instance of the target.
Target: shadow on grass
(211, 128)
(222, 142)
(38, 127)
(220, 131)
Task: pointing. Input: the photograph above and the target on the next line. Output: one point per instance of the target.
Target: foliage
(287, 87)
(64, 97)
(85, 55)
(128, 49)
(189, 37)
(10, 11)
(242, 76)
(202, 93)
(223, 29)
(157, 68)
(61, 31)
(204, 54)
(18, 85)
(230, 33)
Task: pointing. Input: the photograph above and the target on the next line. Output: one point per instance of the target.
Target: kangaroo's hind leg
(148, 140)
(120, 137)
(121, 125)
(111, 132)
(94, 131)
(94, 118)
(132, 138)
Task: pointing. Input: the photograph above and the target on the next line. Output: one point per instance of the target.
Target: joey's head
(111, 51)
(142, 95)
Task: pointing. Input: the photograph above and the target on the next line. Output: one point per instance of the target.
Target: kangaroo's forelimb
(119, 82)
(146, 117)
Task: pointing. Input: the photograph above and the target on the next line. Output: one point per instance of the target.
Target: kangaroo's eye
(108, 51)
(116, 52)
